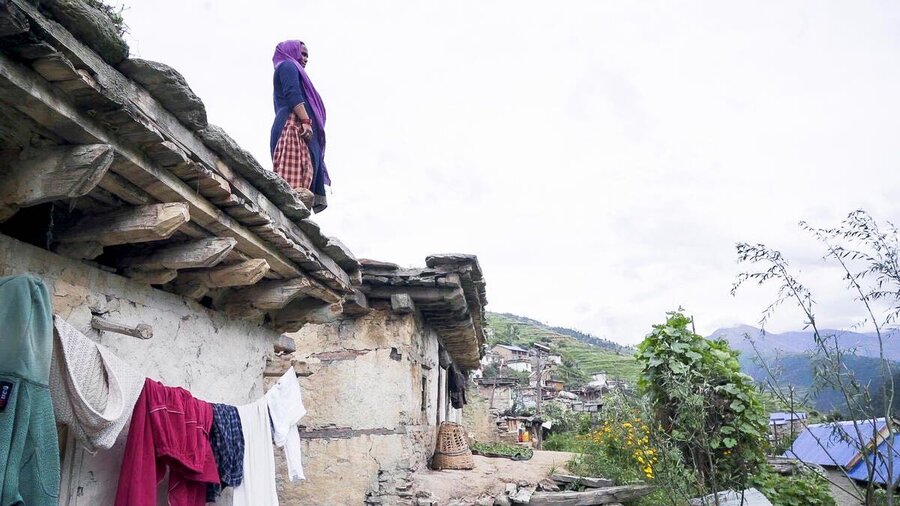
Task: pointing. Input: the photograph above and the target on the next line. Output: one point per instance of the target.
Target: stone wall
(476, 417)
(365, 430)
(216, 358)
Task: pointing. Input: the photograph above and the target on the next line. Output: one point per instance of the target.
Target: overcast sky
(601, 157)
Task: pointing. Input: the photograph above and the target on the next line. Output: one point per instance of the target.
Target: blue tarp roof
(881, 475)
(779, 415)
(835, 443)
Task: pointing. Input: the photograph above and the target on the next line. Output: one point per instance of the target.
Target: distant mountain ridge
(787, 357)
(801, 342)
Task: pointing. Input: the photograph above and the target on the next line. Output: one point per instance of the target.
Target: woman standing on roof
(297, 140)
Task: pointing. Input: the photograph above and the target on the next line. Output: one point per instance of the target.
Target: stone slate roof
(450, 294)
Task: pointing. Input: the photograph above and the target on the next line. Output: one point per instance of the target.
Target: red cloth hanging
(169, 431)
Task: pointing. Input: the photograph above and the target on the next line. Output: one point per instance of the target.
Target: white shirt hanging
(286, 409)
(258, 487)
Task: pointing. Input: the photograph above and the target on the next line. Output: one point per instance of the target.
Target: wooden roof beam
(51, 174)
(298, 313)
(244, 273)
(273, 294)
(184, 255)
(127, 226)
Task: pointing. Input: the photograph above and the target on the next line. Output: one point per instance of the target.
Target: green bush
(706, 407)
(564, 419)
(805, 489)
(563, 442)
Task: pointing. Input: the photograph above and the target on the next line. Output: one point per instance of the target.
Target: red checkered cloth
(292, 160)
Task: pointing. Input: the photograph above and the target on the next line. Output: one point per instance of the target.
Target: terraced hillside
(581, 359)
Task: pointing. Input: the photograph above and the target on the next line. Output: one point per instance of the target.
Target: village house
(786, 424)
(507, 352)
(162, 239)
(391, 369)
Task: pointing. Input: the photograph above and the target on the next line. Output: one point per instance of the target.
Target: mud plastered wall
(364, 399)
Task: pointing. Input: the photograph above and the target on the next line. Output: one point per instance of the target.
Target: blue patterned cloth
(227, 440)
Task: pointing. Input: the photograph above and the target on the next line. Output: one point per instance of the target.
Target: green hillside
(581, 358)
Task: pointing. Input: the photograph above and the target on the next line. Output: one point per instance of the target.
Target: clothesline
(203, 446)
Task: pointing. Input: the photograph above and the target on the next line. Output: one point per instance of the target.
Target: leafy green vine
(705, 405)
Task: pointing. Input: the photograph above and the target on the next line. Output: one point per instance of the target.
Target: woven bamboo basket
(452, 449)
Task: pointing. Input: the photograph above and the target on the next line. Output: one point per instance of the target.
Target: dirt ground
(490, 476)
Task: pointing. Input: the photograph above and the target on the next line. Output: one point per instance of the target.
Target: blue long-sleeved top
(288, 92)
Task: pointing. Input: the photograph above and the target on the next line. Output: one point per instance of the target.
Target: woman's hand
(306, 131)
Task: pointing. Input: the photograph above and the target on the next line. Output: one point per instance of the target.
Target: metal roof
(513, 348)
(784, 415)
(834, 444)
(881, 475)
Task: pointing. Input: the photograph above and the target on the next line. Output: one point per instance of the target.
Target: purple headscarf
(289, 51)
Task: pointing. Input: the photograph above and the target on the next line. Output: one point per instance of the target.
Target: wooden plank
(21, 89)
(154, 277)
(166, 153)
(55, 68)
(273, 294)
(587, 481)
(421, 295)
(12, 22)
(52, 174)
(591, 497)
(79, 250)
(239, 274)
(298, 313)
(156, 119)
(127, 226)
(203, 253)
(187, 289)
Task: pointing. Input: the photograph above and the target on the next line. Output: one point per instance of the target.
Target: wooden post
(140, 331)
(51, 174)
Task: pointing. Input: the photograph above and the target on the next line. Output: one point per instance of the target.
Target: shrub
(805, 489)
(626, 449)
(706, 407)
(563, 442)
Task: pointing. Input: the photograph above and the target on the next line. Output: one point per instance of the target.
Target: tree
(867, 255)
